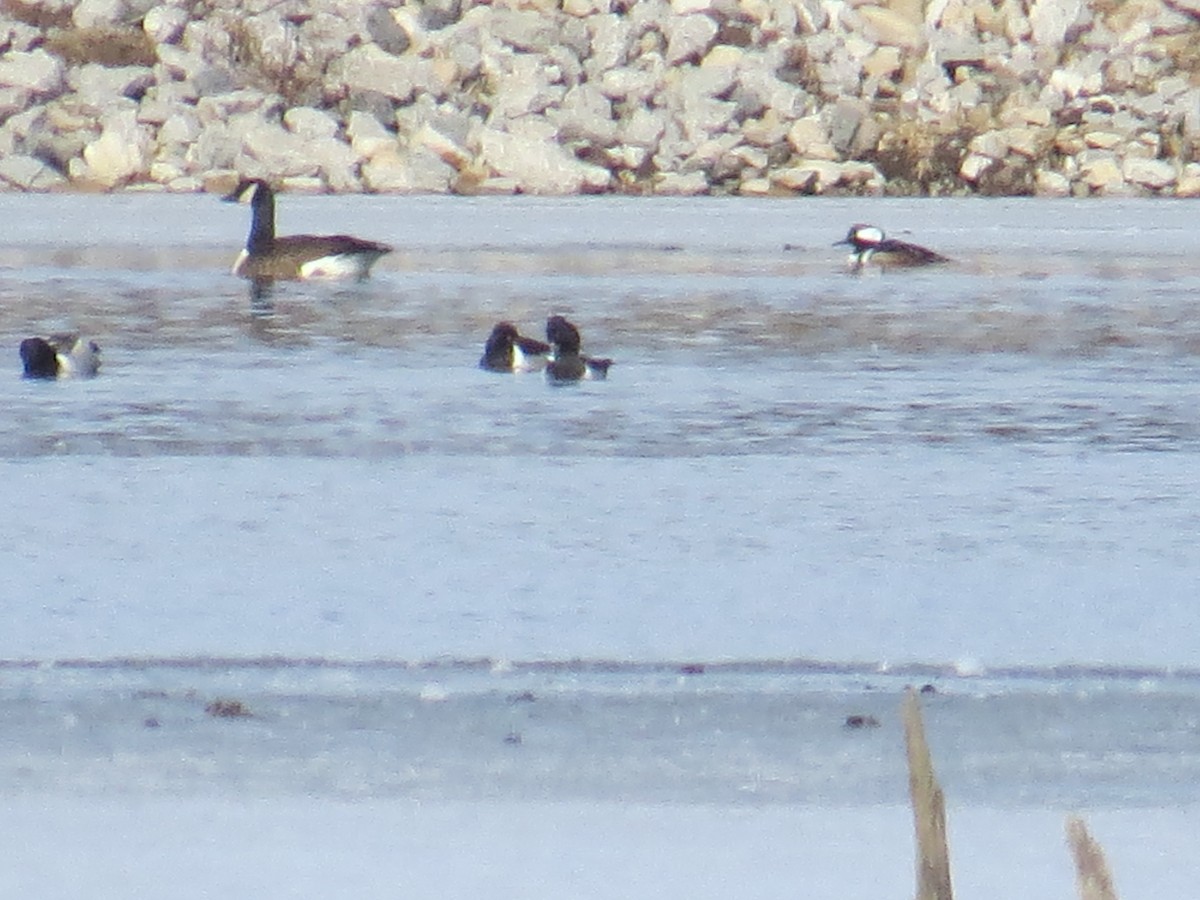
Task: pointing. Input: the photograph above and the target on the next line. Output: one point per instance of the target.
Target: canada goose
(507, 350)
(870, 245)
(567, 363)
(59, 356)
(296, 256)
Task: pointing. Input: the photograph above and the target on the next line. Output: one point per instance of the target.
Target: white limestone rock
(809, 139)
(523, 85)
(442, 146)
(1051, 184)
(584, 114)
(104, 86)
(887, 26)
(165, 24)
(95, 13)
(279, 151)
(1100, 171)
(368, 137)
(1188, 184)
(526, 30)
(642, 128)
(1154, 174)
(37, 72)
(227, 106)
(310, 124)
(419, 171)
(611, 39)
(29, 173)
(691, 184)
(975, 165)
(536, 161)
(583, 9)
(12, 101)
(118, 155)
(632, 85)
(689, 38)
(1050, 20)
(369, 68)
(768, 131)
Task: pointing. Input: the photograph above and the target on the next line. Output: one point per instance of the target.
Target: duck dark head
(507, 350)
(562, 335)
(39, 358)
(862, 237)
(869, 244)
(568, 363)
(59, 356)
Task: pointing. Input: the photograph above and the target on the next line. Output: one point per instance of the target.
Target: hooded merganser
(507, 350)
(59, 356)
(296, 256)
(567, 363)
(871, 245)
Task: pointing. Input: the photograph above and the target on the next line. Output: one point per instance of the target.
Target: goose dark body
(296, 256)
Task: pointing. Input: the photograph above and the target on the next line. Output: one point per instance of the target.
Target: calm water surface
(814, 486)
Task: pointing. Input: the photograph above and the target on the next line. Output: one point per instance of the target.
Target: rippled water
(980, 474)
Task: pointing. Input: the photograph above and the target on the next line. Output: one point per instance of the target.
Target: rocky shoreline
(674, 97)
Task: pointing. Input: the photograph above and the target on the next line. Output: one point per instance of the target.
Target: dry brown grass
(929, 808)
(1091, 869)
(108, 46)
(36, 14)
(298, 80)
(920, 158)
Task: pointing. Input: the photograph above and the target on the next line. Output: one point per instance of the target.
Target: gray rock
(12, 101)
(29, 174)
(642, 128)
(165, 24)
(37, 72)
(93, 13)
(1154, 174)
(117, 156)
(681, 185)
(1050, 20)
(368, 137)
(309, 123)
(611, 38)
(278, 150)
(418, 172)
(689, 38)
(1189, 181)
(585, 114)
(387, 32)
(527, 30)
(537, 163)
(523, 85)
(102, 86)
(846, 116)
(368, 68)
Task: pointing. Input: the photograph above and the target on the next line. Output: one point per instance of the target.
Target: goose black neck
(262, 220)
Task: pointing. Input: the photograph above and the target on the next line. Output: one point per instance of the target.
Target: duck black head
(39, 358)
(562, 335)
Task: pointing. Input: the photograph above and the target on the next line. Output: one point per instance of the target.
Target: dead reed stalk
(1091, 869)
(929, 808)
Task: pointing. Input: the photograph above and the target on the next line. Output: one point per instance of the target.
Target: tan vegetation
(1091, 869)
(37, 15)
(104, 46)
(929, 820)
